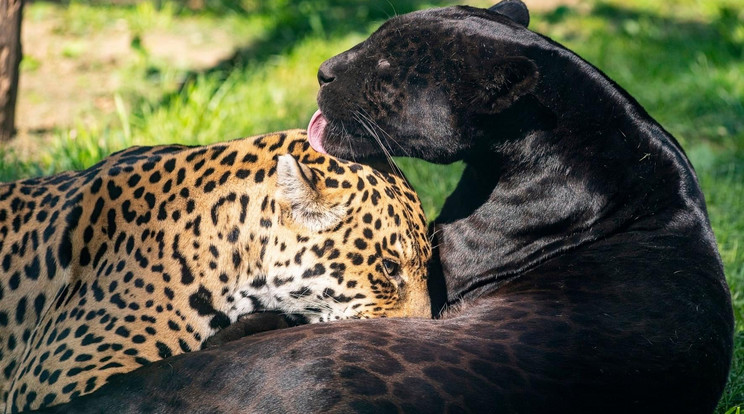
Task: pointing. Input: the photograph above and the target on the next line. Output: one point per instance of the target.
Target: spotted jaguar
(148, 253)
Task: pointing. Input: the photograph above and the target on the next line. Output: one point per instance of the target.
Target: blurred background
(98, 76)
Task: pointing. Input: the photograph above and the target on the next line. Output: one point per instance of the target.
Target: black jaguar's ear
(500, 84)
(514, 10)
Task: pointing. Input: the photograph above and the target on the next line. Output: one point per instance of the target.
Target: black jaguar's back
(576, 253)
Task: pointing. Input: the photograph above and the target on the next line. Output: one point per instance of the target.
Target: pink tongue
(315, 131)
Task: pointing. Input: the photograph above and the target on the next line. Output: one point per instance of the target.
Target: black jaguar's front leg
(248, 325)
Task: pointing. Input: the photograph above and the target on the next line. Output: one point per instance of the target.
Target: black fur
(570, 187)
(576, 251)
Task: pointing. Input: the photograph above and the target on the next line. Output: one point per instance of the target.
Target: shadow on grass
(291, 22)
(294, 21)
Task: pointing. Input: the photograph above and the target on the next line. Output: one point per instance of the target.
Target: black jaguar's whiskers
(433, 235)
(388, 137)
(347, 136)
(432, 240)
(369, 126)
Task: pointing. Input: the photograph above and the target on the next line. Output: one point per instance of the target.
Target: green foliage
(686, 72)
(433, 183)
(12, 167)
(681, 60)
(723, 183)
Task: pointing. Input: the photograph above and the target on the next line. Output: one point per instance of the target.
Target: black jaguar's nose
(325, 73)
(339, 65)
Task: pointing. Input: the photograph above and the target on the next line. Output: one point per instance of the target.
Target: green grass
(682, 61)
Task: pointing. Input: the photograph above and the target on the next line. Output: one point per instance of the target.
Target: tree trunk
(10, 58)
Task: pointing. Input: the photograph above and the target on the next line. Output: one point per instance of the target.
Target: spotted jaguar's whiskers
(313, 306)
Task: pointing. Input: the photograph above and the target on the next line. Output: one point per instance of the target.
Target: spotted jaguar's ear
(514, 10)
(298, 191)
(499, 83)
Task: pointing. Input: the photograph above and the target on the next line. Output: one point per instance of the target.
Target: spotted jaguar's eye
(391, 268)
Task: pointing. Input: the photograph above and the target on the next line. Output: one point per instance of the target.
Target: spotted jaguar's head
(354, 243)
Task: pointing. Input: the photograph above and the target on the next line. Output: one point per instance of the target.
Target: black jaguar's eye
(383, 64)
(391, 268)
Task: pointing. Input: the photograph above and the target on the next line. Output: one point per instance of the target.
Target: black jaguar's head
(414, 87)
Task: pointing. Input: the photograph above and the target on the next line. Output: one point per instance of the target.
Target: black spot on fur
(233, 235)
(39, 303)
(229, 159)
(187, 277)
(183, 345)
(20, 313)
(315, 271)
(114, 191)
(65, 246)
(164, 350)
(32, 270)
(219, 321)
(259, 176)
(356, 258)
(201, 301)
(170, 165)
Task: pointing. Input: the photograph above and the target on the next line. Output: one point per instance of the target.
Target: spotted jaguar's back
(151, 251)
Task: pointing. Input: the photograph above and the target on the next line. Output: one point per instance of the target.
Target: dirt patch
(68, 78)
(65, 76)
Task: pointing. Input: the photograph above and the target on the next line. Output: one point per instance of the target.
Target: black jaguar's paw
(248, 325)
